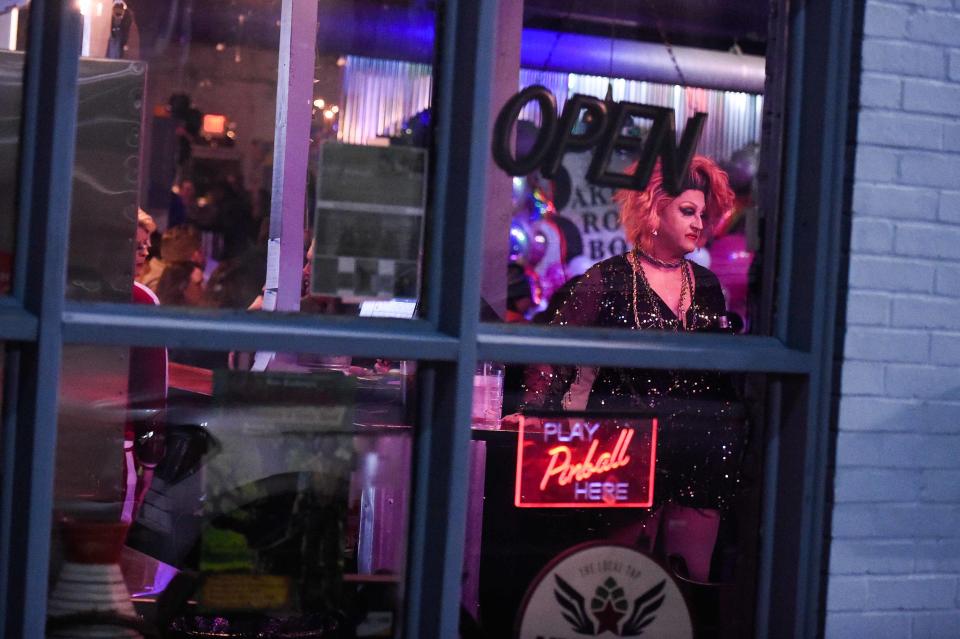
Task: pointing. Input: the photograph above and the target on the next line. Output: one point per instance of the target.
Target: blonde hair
(145, 222)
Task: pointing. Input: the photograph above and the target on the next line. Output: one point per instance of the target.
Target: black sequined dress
(701, 431)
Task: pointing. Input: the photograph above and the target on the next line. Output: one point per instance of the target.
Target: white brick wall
(895, 551)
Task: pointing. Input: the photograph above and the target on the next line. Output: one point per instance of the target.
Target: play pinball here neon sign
(579, 462)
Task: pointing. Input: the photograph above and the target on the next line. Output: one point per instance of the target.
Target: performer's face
(681, 225)
(143, 248)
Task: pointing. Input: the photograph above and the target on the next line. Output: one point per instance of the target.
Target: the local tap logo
(603, 590)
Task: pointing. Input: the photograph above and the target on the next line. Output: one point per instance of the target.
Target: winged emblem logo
(608, 608)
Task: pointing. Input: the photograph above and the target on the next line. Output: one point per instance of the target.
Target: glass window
(186, 183)
(627, 142)
(14, 19)
(613, 499)
(240, 499)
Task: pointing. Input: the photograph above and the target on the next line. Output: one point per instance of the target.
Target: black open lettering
(503, 130)
(567, 140)
(603, 129)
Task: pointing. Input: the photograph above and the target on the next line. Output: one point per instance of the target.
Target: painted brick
(938, 555)
(929, 4)
(876, 164)
(911, 593)
(862, 378)
(895, 450)
(937, 27)
(947, 281)
(862, 557)
(926, 312)
(896, 517)
(847, 625)
(942, 416)
(930, 169)
(951, 137)
(880, 91)
(895, 202)
(890, 274)
(905, 58)
(949, 208)
(871, 235)
(935, 625)
(928, 240)
(880, 485)
(912, 521)
(847, 593)
(880, 414)
(931, 96)
(886, 345)
(940, 485)
(850, 625)
(945, 348)
(868, 309)
(886, 20)
(901, 130)
(930, 382)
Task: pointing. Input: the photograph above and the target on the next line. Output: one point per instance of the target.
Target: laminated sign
(585, 462)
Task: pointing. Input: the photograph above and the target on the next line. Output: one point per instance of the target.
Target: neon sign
(583, 462)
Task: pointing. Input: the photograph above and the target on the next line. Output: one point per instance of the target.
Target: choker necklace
(656, 261)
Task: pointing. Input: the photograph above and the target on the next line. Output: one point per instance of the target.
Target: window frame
(813, 167)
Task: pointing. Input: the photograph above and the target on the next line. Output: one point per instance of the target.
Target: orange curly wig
(640, 210)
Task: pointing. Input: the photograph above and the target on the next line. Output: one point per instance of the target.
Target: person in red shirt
(146, 393)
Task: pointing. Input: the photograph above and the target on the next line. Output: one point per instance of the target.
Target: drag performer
(655, 287)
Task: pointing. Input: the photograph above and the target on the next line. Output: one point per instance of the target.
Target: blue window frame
(813, 164)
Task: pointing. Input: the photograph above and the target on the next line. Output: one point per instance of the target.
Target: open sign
(604, 130)
(584, 462)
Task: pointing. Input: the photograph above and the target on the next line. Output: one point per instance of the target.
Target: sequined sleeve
(544, 385)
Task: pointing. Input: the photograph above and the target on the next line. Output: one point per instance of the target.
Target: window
(789, 355)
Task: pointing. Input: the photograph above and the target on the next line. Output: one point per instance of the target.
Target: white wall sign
(593, 210)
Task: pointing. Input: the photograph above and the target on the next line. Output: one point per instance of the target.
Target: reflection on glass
(550, 224)
(661, 462)
(178, 135)
(258, 497)
(14, 18)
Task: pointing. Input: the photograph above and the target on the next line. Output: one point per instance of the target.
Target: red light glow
(582, 462)
(214, 124)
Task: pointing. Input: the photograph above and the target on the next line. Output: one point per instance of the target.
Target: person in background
(181, 284)
(146, 392)
(183, 201)
(519, 294)
(181, 244)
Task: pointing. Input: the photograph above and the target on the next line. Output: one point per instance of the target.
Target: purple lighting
(403, 34)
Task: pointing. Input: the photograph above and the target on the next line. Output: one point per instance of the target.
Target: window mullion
(462, 89)
(46, 161)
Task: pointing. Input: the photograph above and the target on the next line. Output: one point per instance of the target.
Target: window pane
(579, 182)
(14, 20)
(597, 485)
(242, 502)
(189, 181)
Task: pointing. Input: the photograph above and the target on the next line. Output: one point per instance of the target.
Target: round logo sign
(604, 590)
